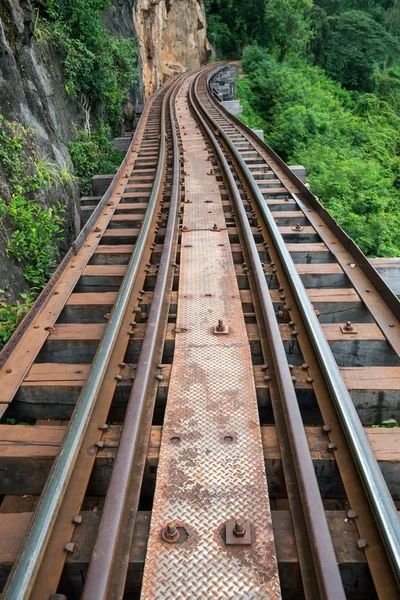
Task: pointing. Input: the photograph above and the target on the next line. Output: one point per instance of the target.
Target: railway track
(200, 377)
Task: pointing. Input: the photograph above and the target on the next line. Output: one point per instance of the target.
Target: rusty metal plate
(211, 468)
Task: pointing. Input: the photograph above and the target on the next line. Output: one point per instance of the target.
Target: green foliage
(92, 153)
(286, 27)
(37, 231)
(231, 24)
(348, 143)
(389, 424)
(350, 47)
(99, 68)
(11, 315)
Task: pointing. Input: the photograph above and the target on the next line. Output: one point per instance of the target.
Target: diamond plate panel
(211, 466)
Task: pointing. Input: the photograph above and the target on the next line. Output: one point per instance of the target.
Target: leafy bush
(37, 231)
(92, 153)
(347, 141)
(11, 315)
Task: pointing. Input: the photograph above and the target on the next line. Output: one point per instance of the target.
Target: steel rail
(320, 541)
(374, 484)
(100, 583)
(23, 575)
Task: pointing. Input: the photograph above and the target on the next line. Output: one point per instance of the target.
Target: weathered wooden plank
(27, 452)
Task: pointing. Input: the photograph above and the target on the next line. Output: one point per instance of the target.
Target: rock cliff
(172, 37)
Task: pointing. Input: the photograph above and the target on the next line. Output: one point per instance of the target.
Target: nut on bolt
(221, 327)
(170, 533)
(238, 532)
(348, 328)
(239, 529)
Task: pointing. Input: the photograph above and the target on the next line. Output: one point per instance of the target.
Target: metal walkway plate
(211, 468)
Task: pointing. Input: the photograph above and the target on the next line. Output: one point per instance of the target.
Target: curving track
(212, 295)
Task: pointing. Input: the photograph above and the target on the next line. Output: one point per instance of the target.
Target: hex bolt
(239, 529)
(348, 326)
(170, 532)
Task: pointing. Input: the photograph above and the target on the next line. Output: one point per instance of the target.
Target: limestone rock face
(172, 36)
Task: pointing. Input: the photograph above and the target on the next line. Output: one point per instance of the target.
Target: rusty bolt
(220, 326)
(348, 326)
(215, 227)
(239, 529)
(170, 533)
(9, 371)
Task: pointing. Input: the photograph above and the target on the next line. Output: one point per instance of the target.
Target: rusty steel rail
(375, 486)
(110, 559)
(23, 575)
(321, 575)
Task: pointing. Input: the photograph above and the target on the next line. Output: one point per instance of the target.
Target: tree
(354, 43)
(234, 23)
(286, 25)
